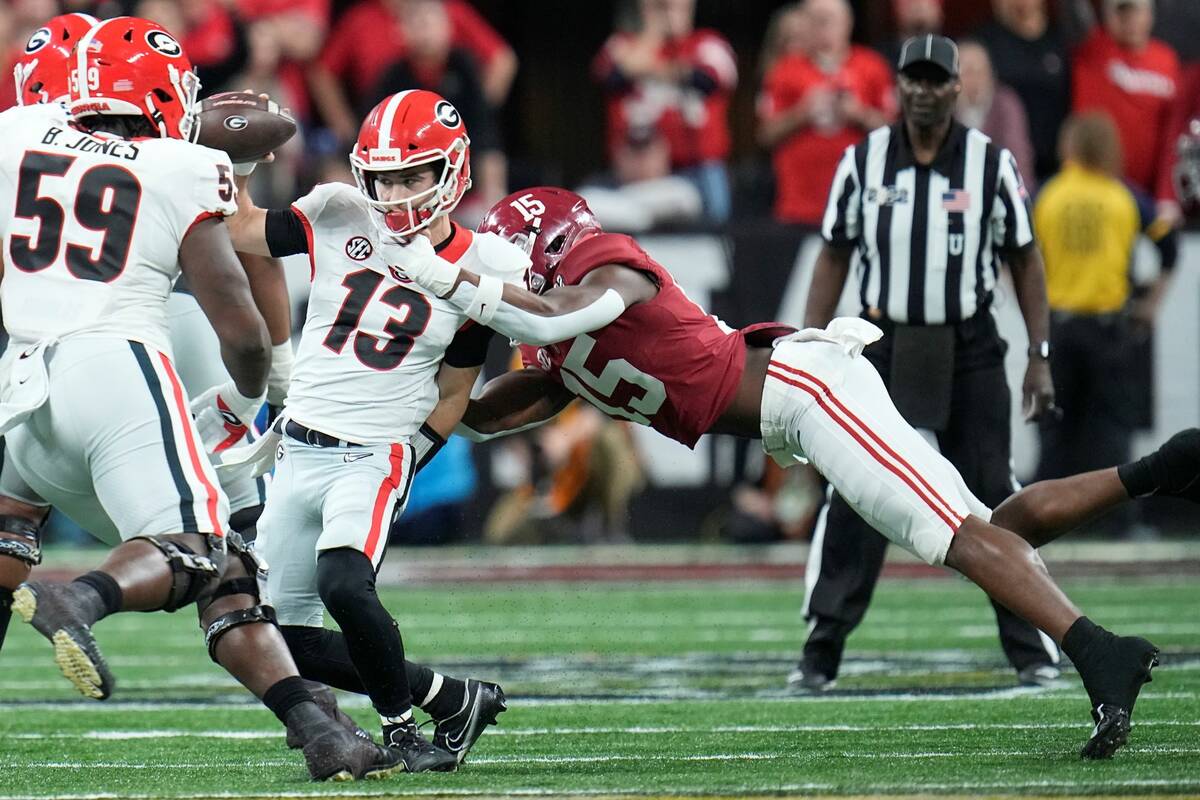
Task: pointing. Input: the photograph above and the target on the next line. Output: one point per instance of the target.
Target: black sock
(285, 695)
(110, 599)
(1138, 477)
(5, 613)
(448, 700)
(321, 655)
(1079, 640)
(346, 582)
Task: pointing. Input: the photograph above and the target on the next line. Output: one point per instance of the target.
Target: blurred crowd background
(713, 117)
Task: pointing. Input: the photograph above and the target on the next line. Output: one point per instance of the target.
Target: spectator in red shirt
(298, 29)
(370, 36)
(1120, 70)
(787, 33)
(211, 36)
(815, 105)
(671, 80)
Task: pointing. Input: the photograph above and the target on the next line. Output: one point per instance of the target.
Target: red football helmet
(132, 67)
(405, 130)
(1187, 168)
(545, 222)
(44, 67)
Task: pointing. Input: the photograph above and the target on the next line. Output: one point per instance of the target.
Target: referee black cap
(930, 49)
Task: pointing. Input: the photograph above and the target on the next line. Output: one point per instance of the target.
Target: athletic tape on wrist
(242, 170)
(486, 301)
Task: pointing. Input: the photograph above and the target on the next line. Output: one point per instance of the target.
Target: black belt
(307, 435)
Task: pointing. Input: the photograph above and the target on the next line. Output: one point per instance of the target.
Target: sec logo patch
(359, 248)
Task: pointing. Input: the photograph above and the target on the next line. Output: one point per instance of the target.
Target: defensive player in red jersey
(603, 321)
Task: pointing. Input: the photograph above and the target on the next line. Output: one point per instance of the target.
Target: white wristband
(280, 376)
(242, 170)
(486, 301)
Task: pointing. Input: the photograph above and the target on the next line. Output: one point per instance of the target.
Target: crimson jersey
(663, 363)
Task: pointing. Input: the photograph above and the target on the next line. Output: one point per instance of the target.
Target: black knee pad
(21, 538)
(255, 615)
(345, 579)
(191, 573)
(251, 583)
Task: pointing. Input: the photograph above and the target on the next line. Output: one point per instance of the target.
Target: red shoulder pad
(602, 250)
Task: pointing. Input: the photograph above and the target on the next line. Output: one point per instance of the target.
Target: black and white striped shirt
(927, 239)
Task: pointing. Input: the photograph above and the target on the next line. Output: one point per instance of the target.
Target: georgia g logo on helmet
(447, 114)
(163, 43)
(39, 39)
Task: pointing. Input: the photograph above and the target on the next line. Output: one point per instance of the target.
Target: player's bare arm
(829, 277)
(248, 227)
(513, 402)
(454, 392)
(560, 314)
(221, 288)
(1029, 282)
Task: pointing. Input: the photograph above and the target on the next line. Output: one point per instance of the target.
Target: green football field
(622, 689)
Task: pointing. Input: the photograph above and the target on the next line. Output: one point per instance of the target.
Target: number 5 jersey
(373, 341)
(91, 225)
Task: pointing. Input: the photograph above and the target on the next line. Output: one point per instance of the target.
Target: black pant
(1094, 363)
(977, 442)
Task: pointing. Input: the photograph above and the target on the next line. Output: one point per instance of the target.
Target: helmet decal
(164, 43)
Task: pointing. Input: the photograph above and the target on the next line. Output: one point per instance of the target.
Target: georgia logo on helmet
(410, 129)
(1187, 167)
(545, 222)
(133, 67)
(43, 70)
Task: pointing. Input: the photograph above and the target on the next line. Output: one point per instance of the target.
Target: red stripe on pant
(951, 519)
(390, 484)
(882, 444)
(185, 414)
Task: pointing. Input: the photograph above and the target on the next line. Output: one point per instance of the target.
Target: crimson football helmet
(1187, 167)
(408, 129)
(545, 222)
(43, 69)
(132, 67)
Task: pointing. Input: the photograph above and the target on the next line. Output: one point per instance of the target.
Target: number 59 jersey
(373, 341)
(91, 225)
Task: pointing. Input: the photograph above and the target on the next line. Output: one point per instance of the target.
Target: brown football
(244, 125)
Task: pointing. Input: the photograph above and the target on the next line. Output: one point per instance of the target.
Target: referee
(924, 210)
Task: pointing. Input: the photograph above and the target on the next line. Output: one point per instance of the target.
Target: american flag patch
(956, 201)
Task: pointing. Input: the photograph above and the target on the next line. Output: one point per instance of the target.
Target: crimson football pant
(847, 555)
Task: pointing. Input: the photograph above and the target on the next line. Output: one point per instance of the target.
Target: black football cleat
(326, 700)
(1113, 689)
(1179, 458)
(332, 753)
(52, 609)
(457, 733)
(415, 751)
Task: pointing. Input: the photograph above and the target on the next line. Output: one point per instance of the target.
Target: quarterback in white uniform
(103, 206)
(365, 380)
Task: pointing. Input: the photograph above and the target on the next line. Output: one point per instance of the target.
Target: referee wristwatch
(1040, 350)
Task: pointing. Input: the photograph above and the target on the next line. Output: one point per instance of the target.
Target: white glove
(222, 415)
(426, 268)
(280, 376)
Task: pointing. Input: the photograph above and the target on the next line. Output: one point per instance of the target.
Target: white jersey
(91, 225)
(373, 341)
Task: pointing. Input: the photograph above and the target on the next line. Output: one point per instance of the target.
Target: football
(244, 125)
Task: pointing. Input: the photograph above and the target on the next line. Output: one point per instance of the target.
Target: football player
(106, 202)
(603, 321)
(376, 354)
(41, 74)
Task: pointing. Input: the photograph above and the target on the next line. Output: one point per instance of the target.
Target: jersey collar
(453, 246)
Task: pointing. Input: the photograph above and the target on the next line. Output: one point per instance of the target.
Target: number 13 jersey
(373, 341)
(91, 225)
